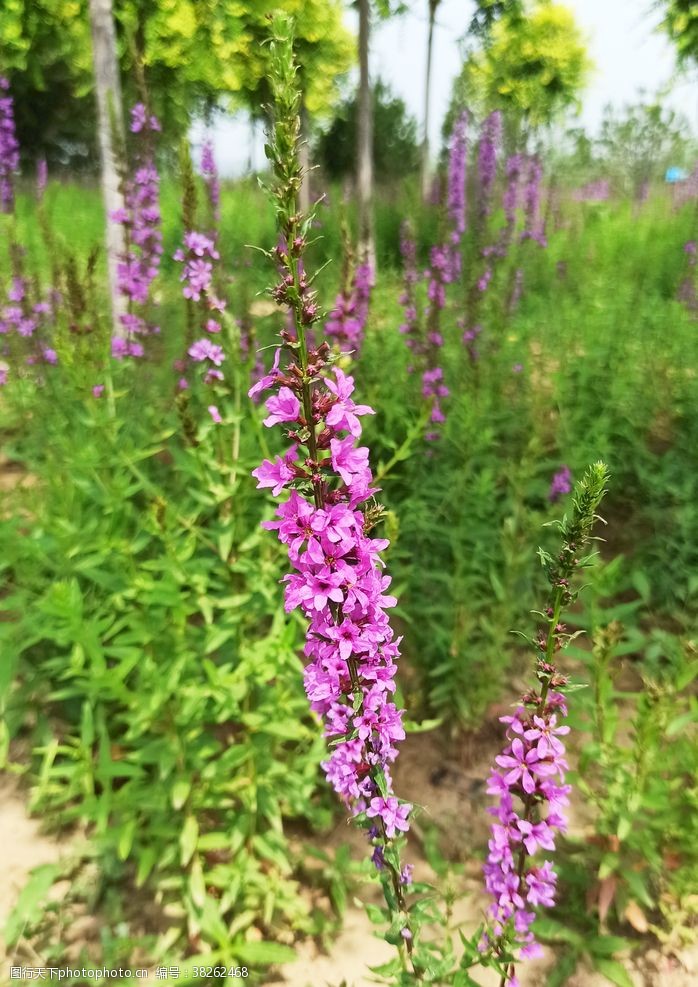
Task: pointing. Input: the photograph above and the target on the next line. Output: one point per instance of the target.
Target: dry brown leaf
(607, 892)
(636, 917)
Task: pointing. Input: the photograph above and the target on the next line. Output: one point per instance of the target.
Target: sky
(628, 51)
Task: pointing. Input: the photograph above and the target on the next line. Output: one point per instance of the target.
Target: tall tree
(110, 131)
(364, 136)
(46, 51)
(395, 138)
(638, 143)
(364, 142)
(433, 6)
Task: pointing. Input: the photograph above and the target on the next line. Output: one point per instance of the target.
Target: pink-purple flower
(338, 584)
(528, 782)
(9, 148)
(142, 120)
(282, 407)
(393, 813)
(204, 349)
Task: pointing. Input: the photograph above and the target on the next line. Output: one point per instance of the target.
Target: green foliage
(172, 722)
(533, 67)
(634, 148)
(468, 514)
(395, 145)
(640, 144)
(47, 53)
(488, 12)
(147, 662)
(194, 58)
(636, 774)
(323, 51)
(147, 659)
(681, 24)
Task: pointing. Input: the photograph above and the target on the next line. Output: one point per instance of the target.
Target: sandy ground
(22, 846)
(451, 789)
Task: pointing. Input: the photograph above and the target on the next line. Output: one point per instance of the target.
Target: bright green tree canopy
(196, 55)
(681, 24)
(533, 65)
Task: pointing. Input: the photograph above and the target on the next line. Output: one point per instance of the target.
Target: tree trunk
(433, 4)
(364, 165)
(110, 124)
(304, 161)
(251, 153)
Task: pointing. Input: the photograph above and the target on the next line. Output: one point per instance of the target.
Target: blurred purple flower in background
(561, 484)
(9, 148)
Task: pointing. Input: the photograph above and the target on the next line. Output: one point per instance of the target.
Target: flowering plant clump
(141, 221)
(9, 148)
(596, 191)
(338, 581)
(444, 268)
(532, 766)
(469, 338)
(201, 287)
(510, 199)
(487, 159)
(30, 321)
(529, 778)
(27, 315)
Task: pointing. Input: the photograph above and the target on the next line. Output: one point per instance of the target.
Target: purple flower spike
(525, 770)
(490, 139)
(457, 164)
(347, 320)
(338, 583)
(141, 221)
(561, 484)
(210, 174)
(9, 148)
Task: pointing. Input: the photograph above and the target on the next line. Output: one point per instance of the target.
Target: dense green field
(151, 681)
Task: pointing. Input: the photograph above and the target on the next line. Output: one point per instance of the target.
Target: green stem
(401, 453)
